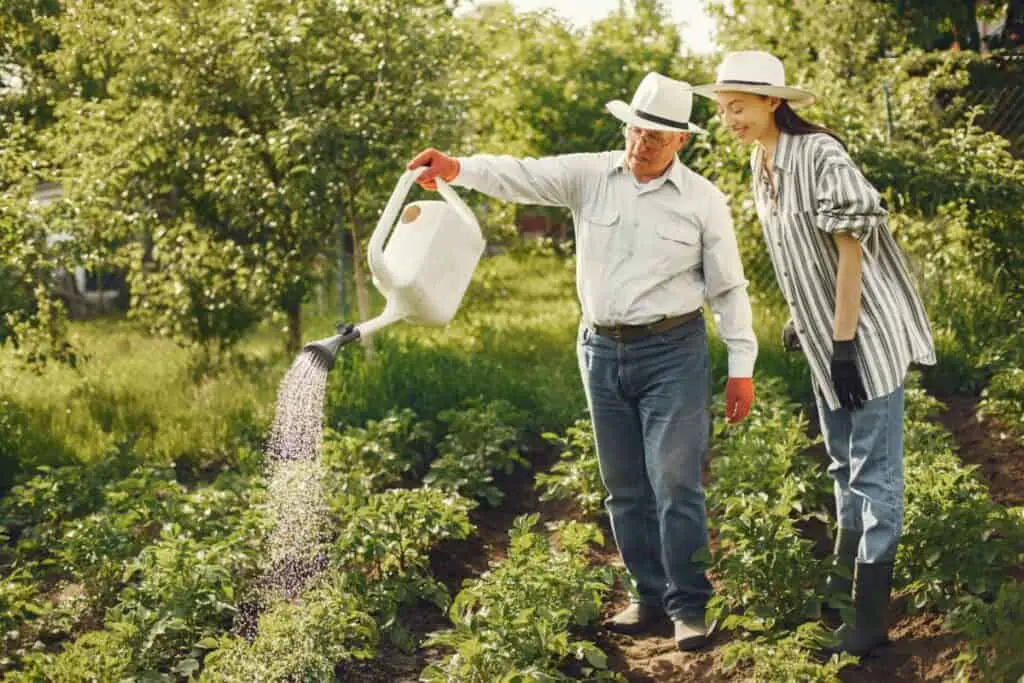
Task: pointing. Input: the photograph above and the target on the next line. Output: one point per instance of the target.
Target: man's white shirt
(644, 251)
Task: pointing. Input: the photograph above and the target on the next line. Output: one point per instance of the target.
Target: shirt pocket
(598, 226)
(677, 245)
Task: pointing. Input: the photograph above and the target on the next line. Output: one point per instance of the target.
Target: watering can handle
(453, 198)
(375, 250)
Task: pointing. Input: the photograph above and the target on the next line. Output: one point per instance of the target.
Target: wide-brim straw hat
(659, 103)
(756, 72)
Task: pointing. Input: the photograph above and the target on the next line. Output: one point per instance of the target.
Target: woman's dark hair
(789, 121)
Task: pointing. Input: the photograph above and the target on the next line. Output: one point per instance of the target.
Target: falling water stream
(295, 488)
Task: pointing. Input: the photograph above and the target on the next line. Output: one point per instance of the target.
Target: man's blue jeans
(866, 449)
(649, 404)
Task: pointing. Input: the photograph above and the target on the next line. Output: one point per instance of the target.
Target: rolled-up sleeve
(847, 202)
(726, 288)
(548, 181)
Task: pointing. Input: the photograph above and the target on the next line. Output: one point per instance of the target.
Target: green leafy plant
(388, 540)
(994, 633)
(512, 624)
(786, 658)
(20, 604)
(1003, 399)
(768, 575)
(363, 460)
(955, 538)
(482, 438)
(308, 640)
(577, 474)
(764, 452)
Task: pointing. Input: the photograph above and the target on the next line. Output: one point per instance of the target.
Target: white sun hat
(659, 103)
(757, 72)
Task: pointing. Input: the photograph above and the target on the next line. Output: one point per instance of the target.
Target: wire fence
(1000, 96)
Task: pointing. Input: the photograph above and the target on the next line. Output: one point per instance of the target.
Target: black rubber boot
(870, 627)
(839, 584)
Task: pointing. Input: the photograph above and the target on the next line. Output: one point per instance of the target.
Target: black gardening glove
(790, 341)
(846, 377)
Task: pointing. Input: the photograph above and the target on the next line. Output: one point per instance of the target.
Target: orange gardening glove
(739, 397)
(438, 164)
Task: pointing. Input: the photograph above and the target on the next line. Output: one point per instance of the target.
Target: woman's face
(750, 117)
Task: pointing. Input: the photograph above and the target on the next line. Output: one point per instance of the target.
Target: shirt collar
(674, 175)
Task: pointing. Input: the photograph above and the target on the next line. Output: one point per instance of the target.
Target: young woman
(854, 312)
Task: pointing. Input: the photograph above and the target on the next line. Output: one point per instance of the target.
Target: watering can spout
(327, 348)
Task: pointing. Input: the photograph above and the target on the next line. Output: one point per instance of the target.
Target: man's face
(649, 152)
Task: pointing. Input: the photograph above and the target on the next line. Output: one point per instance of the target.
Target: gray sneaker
(691, 633)
(638, 618)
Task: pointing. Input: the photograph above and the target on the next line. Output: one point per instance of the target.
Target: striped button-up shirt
(819, 192)
(644, 251)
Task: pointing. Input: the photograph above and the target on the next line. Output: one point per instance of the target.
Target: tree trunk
(294, 312)
(968, 30)
(1014, 25)
(359, 276)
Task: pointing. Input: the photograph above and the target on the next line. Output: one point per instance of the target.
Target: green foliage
(95, 549)
(1003, 400)
(994, 631)
(137, 395)
(20, 605)
(256, 136)
(768, 575)
(482, 438)
(512, 623)
(833, 45)
(180, 591)
(577, 474)
(955, 539)
(306, 640)
(364, 460)
(387, 542)
(96, 530)
(791, 657)
(30, 318)
(764, 452)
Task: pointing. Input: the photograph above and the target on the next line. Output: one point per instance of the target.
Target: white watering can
(424, 269)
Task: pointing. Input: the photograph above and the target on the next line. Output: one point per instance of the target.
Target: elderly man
(654, 242)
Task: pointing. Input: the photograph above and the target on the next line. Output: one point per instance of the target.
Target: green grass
(138, 394)
(513, 339)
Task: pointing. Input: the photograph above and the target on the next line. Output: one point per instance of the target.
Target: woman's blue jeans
(866, 449)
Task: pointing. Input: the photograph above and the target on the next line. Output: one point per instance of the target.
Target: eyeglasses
(653, 139)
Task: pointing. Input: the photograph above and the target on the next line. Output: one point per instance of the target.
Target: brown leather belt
(632, 333)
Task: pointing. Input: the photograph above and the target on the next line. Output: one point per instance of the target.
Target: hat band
(653, 118)
(736, 82)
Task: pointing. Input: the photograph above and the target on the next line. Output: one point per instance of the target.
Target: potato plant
(514, 623)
